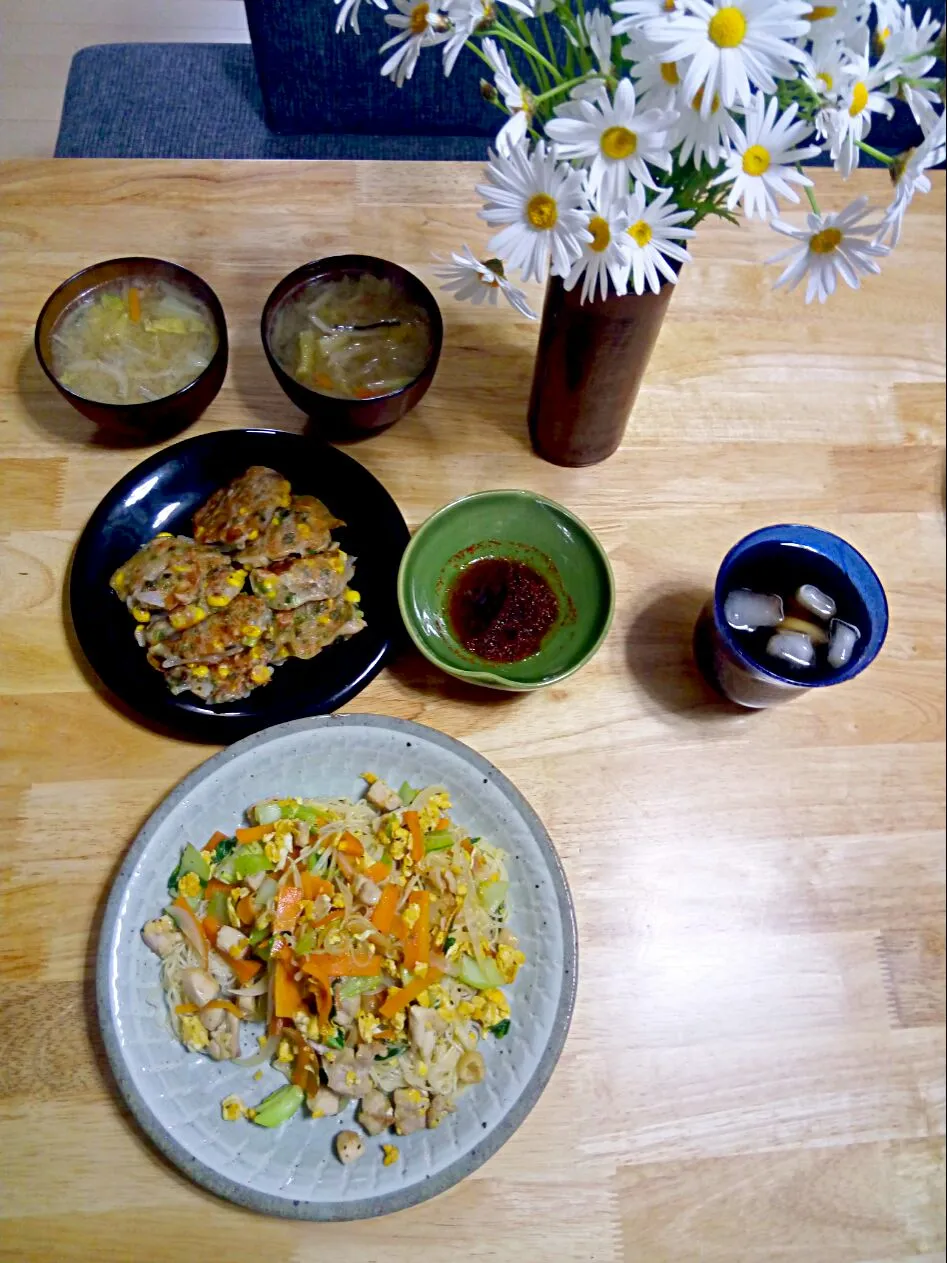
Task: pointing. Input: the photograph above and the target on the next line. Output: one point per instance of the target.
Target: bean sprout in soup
(351, 363)
(132, 341)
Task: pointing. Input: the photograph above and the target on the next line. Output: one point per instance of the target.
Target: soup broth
(132, 341)
(351, 363)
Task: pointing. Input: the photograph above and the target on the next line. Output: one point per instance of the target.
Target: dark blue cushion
(316, 81)
(202, 101)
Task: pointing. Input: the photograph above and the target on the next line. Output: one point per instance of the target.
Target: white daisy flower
(348, 12)
(850, 121)
(542, 203)
(732, 46)
(607, 256)
(598, 32)
(465, 16)
(655, 231)
(473, 280)
(825, 71)
(762, 162)
(842, 21)
(419, 25)
(907, 49)
(517, 99)
(829, 247)
(636, 14)
(707, 138)
(909, 178)
(656, 79)
(619, 141)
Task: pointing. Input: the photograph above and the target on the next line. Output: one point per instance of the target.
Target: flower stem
(504, 32)
(544, 26)
(560, 88)
(527, 35)
(810, 192)
(479, 51)
(874, 153)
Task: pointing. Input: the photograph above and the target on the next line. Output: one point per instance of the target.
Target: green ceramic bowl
(524, 527)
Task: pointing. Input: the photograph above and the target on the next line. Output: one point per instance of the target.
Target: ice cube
(816, 601)
(792, 646)
(841, 642)
(745, 611)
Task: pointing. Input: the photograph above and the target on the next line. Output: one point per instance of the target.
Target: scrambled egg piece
(189, 886)
(437, 805)
(509, 960)
(193, 1033)
(285, 1053)
(411, 914)
(391, 1154)
(232, 1108)
(277, 849)
(367, 1026)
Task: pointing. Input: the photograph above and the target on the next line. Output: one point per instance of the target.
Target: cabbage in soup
(132, 341)
(351, 363)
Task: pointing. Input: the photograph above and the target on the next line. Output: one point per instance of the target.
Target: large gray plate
(175, 1096)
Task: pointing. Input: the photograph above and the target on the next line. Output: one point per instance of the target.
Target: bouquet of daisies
(625, 128)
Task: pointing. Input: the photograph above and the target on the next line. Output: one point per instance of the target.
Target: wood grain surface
(756, 1066)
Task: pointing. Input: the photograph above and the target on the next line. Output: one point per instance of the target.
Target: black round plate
(162, 494)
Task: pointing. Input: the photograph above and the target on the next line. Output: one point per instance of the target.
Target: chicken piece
(302, 530)
(310, 628)
(161, 936)
(422, 1029)
(225, 1040)
(411, 1106)
(239, 513)
(174, 574)
(292, 582)
(348, 1009)
(383, 797)
(222, 635)
(367, 891)
(349, 1147)
(376, 1114)
(231, 942)
(440, 1107)
(348, 1074)
(199, 986)
(323, 1103)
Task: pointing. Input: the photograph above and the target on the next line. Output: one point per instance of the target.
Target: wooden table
(755, 1069)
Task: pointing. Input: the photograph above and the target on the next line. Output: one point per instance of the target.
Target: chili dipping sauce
(500, 609)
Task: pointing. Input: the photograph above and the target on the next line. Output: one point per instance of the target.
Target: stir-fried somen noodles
(387, 350)
(132, 340)
(369, 937)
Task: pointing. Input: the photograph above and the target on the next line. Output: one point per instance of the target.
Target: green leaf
(351, 987)
(337, 1040)
(480, 979)
(407, 794)
(439, 841)
(501, 1029)
(223, 849)
(449, 942)
(395, 1051)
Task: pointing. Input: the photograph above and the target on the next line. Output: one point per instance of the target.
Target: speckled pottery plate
(175, 1096)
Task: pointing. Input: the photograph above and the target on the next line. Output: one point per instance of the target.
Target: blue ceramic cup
(768, 558)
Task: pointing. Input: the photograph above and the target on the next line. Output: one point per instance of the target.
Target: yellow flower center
(859, 99)
(821, 11)
(756, 160)
(669, 73)
(727, 27)
(826, 79)
(826, 241)
(669, 6)
(541, 211)
(699, 100)
(418, 22)
(618, 142)
(640, 233)
(601, 234)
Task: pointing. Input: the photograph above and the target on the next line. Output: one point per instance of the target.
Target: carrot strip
(134, 305)
(399, 929)
(246, 910)
(244, 970)
(321, 965)
(413, 824)
(442, 824)
(217, 837)
(314, 886)
(186, 1008)
(335, 915)
(399, 998)
(287, 993)
(418, 947)
(258, 831)
(287, 911)
(224, 1004)
(348, 844)
(378, 872)
(322, 989)
(211, 927)
(214, 886)
(384, 913)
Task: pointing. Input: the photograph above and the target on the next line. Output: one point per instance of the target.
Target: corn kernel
(260, 675)
(236, 579)
(250, 630)
(351, 596)
(323, 620)
(163, 535)
(218, 602)
(200, 670)
(304, 530)
(232, 1108)
(253, 534)
(222, 672)
(142, 616)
